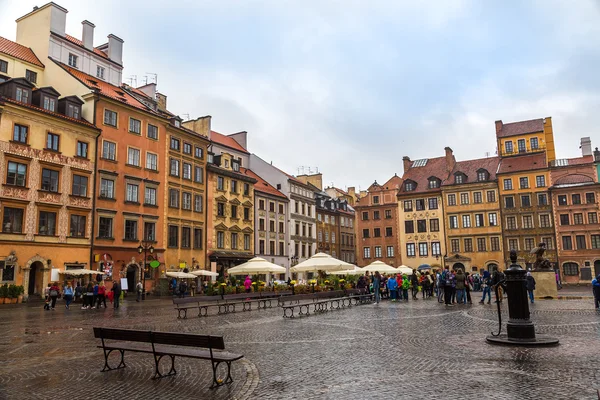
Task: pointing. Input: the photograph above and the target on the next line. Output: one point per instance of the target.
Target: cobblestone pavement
(419, 350)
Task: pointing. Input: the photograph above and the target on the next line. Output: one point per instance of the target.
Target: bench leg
(222, 307)
(121, 363)
(249, 308)
(205, 309)
(220, 382)
(157, 373)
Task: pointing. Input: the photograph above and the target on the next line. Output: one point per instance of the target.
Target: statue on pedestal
(541, 263)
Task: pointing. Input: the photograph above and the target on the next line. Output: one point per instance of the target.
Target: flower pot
(2, 299)
(20, 299)
(13, 300)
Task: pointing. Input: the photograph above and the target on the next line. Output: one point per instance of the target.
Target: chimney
(450, 161)
(586, 146)
(241, 138)
(407, 162)
(87, 37)
(161, 100)
(597, 155)
(352, 191)
(149, 90)
(115, 49)
(499, 126)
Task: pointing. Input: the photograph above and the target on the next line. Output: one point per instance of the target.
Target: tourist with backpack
(486, 286)
(392, 287)
(448, 280)
(530, 283)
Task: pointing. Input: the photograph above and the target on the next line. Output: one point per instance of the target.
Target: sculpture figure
(541, 263)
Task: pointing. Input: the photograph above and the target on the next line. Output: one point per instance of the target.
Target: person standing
(101, 294)
(530, 283)
(414, 281)
(447, 279)
(138, 290)
(68, 293)
(54, 293)
(89, 295)
(468, 286)
(78, 291)
(405, 286)
(95, 295)
(116, 289)
(440, 287)
(248, 284)
(596, 291)
(460, 287)
(486, 286)
(392, 287)
(376, 289)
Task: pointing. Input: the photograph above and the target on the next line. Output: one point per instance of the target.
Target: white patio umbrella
(78, 272)
(321, 262)
(257, 265)
(381, 267)
(203, 272)
(180, 275)
(353, 271)
(403, 269)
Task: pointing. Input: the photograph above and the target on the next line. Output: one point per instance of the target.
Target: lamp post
(145, 247)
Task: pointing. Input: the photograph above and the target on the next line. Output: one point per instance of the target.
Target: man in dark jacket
(530, 283)
(596, 291)
(117, 293)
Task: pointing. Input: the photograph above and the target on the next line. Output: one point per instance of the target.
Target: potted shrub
(13, 293)
(4, 293)
(20, 292)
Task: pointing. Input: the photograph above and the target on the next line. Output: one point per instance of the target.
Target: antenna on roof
(154, 75)
(133, 79)
(145, 80)
(317, 169)
(187, 116)
(130, 81)
(487, 154)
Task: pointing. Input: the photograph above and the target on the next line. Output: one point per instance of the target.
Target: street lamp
(145, 247)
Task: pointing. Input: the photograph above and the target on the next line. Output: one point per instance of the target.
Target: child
(405, 286)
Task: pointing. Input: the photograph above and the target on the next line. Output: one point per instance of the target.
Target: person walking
(89, 296)
(392, 287)
(486, 287)
(376, 288)
(530, 283)
(95, 295)
(460, 287)
(54, 293)
(101, 294)
(468, 286)
(138, 290)
(116, 289)
(47, 297)
(248, 284)
(440, 287)
(68, 294)
(447, 278)
(596, 292)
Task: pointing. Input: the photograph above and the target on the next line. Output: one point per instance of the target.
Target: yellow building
(20, 61)
(47, 162)
(472, 216)
(523, 181)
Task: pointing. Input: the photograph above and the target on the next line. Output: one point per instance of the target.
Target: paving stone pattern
(419, 350)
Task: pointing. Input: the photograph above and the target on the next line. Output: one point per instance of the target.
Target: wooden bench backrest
(122, 334)
(177, 339)
(186, 300)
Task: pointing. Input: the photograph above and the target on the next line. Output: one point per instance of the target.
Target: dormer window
(49, 104)
(459, 178)
(434, 183)
(235, 165)
(211, 158)
(70, 106)
(410, 186)
(177, 123)
(3, 66)
(482, 175)
(22, 95)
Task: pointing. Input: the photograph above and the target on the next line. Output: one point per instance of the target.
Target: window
(131, 228)
(580, 240)
(527, 222)
(82, 149)
(436, 249)
(564, 219)
(433, 203)
(22, 95)
(281, 209)
(366, 252)
(175, 143)
(434, 225)
(524, 182)
(459, 178)
(549, 242)
(234, 214)
(365, 214)
(542, 199)
(100, 72)
(409, 227)
(434, 183)
(482, 176)
(3, 66)
(365, 233)
(466, 221)
(246, 213)
(423, 250)
(31, 76)
(132, 193)
(246, 189)
(198, 152)
(595, 241)
(477, 197)
(110, 118)
(455, 245)
(49, 180)
(468, 245)
(533, 143)
(20, 133)
(221, 210)
(73, 60)
(408, 206)
(187, 148)
(410, 249)
(187, 171)
(133, 157)
(493, 219)
(107, 188)
(271, 223)
(105, 228)
(375, 216)
(52, 141)
(451, 199)
(521, 145)
(571, 269)
(77, 226)
(282, 248)
(73, 111)
(390, 250)
(49, 104)
(12, 220)
(409, 186)
(247, 242)
(420, 204)
(529, 244)
(281, 227)
(261, 204)
(453, 222)
(545, 221)
(135, 126)
(16, 174)
(481, 245)
(508, 184)
(377, 251)
(562, 200)
(495, 243)
(197, 203)
(388, 231)
(234, 190)
(567, 243)
(151, 161)
(220, 183)
(592, 218)
(509, 202)
(375, 199)
(491, 196)
(508, 147)
(377, 232)
(479, 220)
(150, 196)
(174, 236)
(388, 214)
(421, 225)
(525, 201)
(261, 224)
(186, 237)
(578, 219)
(540, 181)
(576, 198)
(511, 223)
(174, 170)
(80, 185)
(590, 198)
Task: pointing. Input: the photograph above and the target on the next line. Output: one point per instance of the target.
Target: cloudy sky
(352, 86)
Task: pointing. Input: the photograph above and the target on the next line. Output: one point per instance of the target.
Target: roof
(394, 182)
(519, 128)
(470, 168)
(263, 186)
(227, 141)
(573, 179)
(105, 88)
(44, 111)
(79, 43)
(19, 51)
(521, 163)
(566, 162)
(436, 167)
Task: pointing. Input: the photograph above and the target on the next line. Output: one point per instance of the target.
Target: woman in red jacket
(54, 293)
(101, 295)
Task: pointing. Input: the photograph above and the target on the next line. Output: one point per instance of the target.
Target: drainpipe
(94, 191)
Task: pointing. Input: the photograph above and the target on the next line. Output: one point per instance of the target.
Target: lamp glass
(151, 249)
(140, 249)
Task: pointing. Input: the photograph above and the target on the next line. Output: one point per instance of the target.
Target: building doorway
(492, 268)
(131, 278)
(596, 268)
(458, 266)
(35, 278)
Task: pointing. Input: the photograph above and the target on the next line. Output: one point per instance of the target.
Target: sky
(350, 87)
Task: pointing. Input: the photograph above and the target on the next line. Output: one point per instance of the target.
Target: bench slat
(187, 339)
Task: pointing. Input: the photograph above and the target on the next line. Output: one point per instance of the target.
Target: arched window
(570, 269)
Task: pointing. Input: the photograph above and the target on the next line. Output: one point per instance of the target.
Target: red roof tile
(395, 182)
(470, 168)
(227, 141)
(581, 160)
(573, 179)
(19, 51)
(519, 128)
(435, 167)
(263, 186)
(79, 43)
(528, 162)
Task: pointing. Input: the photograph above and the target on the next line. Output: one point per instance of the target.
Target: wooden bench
(161, 344)
(321, 302)
(202, 303)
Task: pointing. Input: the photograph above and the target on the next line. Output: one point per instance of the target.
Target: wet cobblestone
(418, 350)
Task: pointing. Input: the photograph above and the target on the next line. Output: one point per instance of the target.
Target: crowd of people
(91, 295)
